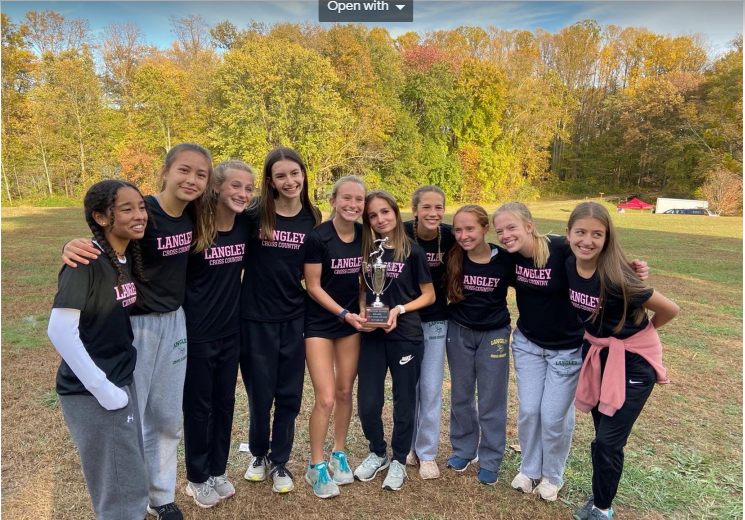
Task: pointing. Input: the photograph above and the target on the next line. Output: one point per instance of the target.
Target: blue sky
(720, 21)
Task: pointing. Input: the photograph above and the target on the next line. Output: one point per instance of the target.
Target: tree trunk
(5, 179)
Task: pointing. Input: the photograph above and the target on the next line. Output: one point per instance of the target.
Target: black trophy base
(376, 317)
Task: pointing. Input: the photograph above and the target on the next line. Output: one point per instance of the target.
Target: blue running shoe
(340, 468)
(459, 463)
(487, 477)
(318, 478)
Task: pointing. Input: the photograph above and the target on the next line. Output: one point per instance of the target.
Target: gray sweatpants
(111, 454)
(426, 438)
(546, 383)
(479, 360)
(160, 340)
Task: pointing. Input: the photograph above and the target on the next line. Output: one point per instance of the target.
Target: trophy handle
(364, 275)
(390, 281)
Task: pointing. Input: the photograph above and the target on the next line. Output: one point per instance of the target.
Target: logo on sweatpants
(500, 343)
(405, 360)
(567, 367)
(130, 418)
(180, 345)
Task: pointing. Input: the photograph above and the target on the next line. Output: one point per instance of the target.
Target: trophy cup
(377, 313)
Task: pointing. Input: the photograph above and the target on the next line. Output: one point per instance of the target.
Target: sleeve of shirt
(314, 248)
(64, 333)
(421, 266)
(73, 285)
(641, 298)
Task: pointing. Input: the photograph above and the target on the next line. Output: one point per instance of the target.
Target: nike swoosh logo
(632, 382)
(405, 360)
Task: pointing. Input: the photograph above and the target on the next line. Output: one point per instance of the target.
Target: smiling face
(381, 216)
(287, 178)
(430, 210)
(587, 238)
(349, 201)
(513, 234)
(188, 176)
(130, 217)
(468, 232)
(236, 190)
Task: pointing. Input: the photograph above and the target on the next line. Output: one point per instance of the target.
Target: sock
(606, 513)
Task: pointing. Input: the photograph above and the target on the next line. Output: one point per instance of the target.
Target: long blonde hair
(614, 269)
(540, 242)
(454, 278)
(219, 173)
(401, 242)
(338, 184)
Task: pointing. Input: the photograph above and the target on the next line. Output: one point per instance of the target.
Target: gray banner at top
(366, 11)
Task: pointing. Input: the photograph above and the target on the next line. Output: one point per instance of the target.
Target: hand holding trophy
(377, 313)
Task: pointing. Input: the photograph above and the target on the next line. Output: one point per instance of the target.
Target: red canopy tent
(635, 204)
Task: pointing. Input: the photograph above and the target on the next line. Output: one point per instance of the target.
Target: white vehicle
(665, 204)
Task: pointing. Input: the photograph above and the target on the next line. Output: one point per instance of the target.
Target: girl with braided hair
(436, 238)
(180, 217)
(90, 328)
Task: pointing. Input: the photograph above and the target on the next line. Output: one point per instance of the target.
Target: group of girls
(188, 245)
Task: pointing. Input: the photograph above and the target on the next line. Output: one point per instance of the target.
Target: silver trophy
(377, 313)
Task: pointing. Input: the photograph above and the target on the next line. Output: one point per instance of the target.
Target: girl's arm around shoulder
(663, 308)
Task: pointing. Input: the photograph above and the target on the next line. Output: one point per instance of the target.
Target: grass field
(683, 460)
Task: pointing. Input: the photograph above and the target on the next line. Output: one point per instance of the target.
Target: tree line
(484, 113)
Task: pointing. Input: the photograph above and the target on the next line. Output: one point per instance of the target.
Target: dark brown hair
(265, 203)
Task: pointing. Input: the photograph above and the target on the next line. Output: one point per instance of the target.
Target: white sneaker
(222, 486)
(281, 479)
(370, 467)
(412, 459)
(203, 494)
(523, 483)
(394, 480)
(256, 471)
(546, 490)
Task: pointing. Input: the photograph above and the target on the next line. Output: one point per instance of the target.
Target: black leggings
(273, 369)
(403, 359)
(611, 433)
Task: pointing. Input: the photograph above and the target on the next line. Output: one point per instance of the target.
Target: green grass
(683, 459)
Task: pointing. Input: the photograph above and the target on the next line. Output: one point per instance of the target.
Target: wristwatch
(401, 309)
(342, 314)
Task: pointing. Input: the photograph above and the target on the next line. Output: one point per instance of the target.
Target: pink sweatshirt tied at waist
(611, 393)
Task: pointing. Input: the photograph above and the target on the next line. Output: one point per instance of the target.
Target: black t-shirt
(405, 278)
(165, 252)
(584, 294)
(485, 292)
(104, 325)
(213, 285)
(273, 269)
(437, 266)
(547, 317)
(340, 271)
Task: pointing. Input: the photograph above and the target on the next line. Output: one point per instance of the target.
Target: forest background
(486, 114)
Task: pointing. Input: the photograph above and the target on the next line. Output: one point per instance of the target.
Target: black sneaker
(166, 512)
(584, 512)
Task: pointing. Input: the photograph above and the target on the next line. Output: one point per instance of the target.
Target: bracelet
(401, 309)
(342, 314)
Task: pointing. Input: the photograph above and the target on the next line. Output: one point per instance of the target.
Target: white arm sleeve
(65, 336)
